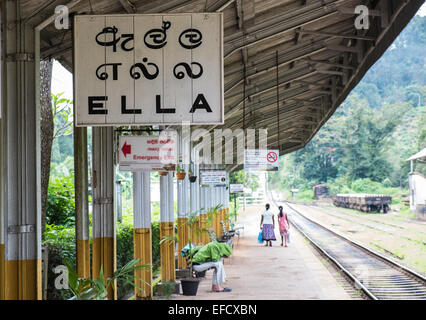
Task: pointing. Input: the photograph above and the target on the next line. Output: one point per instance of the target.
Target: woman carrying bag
(284, 226)
(267, 226)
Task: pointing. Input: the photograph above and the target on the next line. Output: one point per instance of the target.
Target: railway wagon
(321, 191)
(363, 202)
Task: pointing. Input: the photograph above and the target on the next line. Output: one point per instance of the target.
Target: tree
(46, 131)
(55, 121)
(365, 139)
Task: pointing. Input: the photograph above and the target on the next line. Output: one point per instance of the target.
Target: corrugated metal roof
(418, 155)
(319, 54)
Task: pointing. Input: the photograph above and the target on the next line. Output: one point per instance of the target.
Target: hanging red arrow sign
(126, 149)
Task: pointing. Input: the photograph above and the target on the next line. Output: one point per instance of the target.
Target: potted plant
(89, 289)
(163, 173)
(190, 284)
(211, 213)
(163, 287)
(180, 173)
(192, 178)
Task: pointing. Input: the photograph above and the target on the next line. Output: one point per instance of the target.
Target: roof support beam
(336, 35)
(220, 5)
(256, 67)
(330, 72)
(341, 48)
(331, 64)
(281, 24)
(294, 92)
(351, 11)
(128, 6)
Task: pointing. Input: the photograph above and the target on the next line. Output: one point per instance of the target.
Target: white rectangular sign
(213, 178)
(236, 188)
(261, 160)
(148, 152)
(138, 69)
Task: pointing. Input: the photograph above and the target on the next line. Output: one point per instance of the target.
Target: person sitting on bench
(211, 256)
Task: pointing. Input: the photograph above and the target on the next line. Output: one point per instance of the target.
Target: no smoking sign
(272, 157)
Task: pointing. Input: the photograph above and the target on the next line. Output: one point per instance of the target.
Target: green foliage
(240, 177)
(90, 289)
(61, 200)
(62, 115)
(61, 243)
(126, 179)
(125, 247)
(305, 195)
(344, 185)
(381, 123)
(62, 146)
(211, 213)
(403, 64)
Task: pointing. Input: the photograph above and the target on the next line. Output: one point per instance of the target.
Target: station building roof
(418, 156)
(315, 46)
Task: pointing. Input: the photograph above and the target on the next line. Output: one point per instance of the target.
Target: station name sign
(148, 69)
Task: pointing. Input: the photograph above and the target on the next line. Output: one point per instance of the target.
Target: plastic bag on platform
(259, 238)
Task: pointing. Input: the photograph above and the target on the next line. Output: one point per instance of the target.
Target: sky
(62, 78)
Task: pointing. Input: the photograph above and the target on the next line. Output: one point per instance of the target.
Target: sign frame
(219, 110)
(146, 148)
(213, 176)
(261, 160)
(232, 186)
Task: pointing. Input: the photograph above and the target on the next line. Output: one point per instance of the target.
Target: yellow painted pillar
(20, 277)
(142, 234)
(183, 236)
(83, 258)
(203, 232)
(168, 272)
(20, 162)
(167, 246)
(103, 219)
(2, 270)
(143, 252)
(218, 229)
(81, 202)
(227, 220)
(182, 215)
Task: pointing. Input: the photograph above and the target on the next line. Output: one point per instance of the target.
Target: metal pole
(166, 228)
(81, 186)
(103, 218)
(142, 233)
(20, 245)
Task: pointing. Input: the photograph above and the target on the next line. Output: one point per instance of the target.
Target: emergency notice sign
(148, 152)
(213, 178)
(146, 69)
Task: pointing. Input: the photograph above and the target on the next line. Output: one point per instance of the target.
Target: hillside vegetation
(364, 145)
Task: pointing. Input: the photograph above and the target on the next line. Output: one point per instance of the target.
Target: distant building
(417, 183)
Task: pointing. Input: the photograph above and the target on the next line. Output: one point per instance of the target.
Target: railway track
(377, 276)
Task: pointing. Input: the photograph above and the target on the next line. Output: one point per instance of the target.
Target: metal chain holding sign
(278, 106)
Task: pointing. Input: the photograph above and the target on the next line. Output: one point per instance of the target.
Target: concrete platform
(255, 272)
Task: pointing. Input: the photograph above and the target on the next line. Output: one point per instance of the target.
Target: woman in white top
(267, 225)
